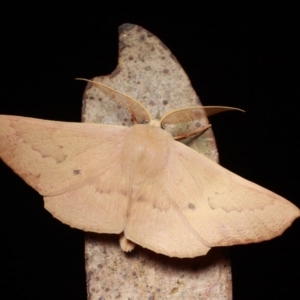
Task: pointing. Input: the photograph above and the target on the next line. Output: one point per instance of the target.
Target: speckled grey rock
(148, 72)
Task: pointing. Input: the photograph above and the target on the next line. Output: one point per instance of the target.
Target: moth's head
(155, 123)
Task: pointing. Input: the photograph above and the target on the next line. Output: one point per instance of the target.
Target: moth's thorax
(147, 148)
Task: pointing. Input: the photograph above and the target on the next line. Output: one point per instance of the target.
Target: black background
(240, 59)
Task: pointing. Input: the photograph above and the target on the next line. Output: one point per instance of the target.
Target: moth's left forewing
(224, 208)
(77, 167)
(52, 156)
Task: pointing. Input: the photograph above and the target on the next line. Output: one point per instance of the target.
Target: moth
(140, 182)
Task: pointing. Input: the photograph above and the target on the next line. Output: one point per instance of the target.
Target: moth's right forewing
(224, 208)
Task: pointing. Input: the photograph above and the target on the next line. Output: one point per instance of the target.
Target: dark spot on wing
(165, 102)
(76, 172)
(210, 203)
(191, 206)
(123, 192)
(61, 159)
(103, 191)
(141, 198)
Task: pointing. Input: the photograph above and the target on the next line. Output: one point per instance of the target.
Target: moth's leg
(133, 117)
(192, 134)
(126, 245)
(134, 120)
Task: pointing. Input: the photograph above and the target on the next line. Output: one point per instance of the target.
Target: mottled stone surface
(148, 72)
